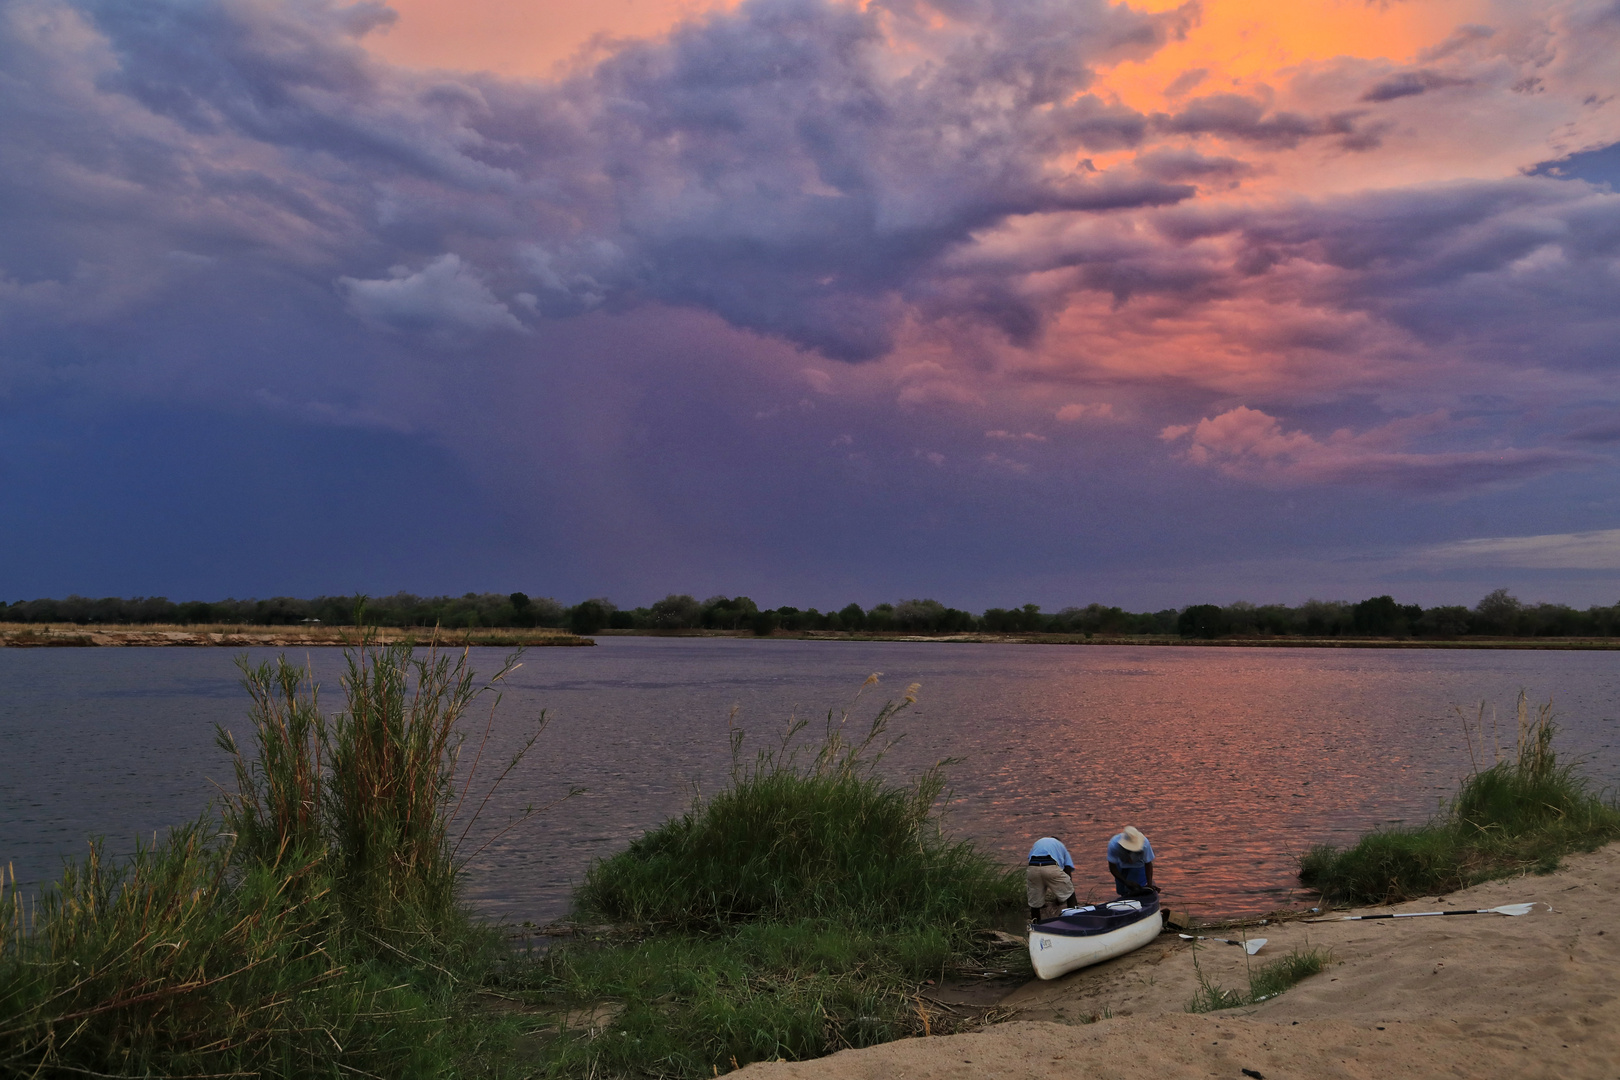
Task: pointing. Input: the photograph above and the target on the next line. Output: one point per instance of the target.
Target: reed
(1520, 813)
(312, 930)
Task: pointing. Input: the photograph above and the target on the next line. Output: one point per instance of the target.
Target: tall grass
(792, 914)
(804, 831)
(312, 931)
(177, 962)
(1520, 813)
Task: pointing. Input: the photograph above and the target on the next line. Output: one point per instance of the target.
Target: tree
(852, 617)
(1497, 613)
(1377, 616)
(1201, 621)
(919, 616)
(677, 611)
(588, 617)
(1445, 622)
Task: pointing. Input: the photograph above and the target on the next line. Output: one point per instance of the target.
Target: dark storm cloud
(1409, 84)
(771, 169)
(772, 165)
(1504, 264)
(1517, 271)
(1251, 119)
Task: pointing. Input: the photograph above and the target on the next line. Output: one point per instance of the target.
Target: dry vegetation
(68, 635)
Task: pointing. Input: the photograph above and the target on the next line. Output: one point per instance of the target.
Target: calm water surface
(1232, 760)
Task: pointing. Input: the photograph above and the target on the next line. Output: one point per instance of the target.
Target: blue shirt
(1133, 863)
(1052, 848)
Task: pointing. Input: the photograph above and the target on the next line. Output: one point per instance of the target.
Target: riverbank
(72, 635)
(1480, 995)
(1153, 640)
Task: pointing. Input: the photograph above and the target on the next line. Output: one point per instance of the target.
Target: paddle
(1251, 946)
(1505, 909)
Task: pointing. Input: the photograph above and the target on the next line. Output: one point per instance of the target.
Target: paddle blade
(1254, 945)
(1514, 909)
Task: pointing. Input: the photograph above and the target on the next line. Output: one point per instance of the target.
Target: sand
(1468, 996)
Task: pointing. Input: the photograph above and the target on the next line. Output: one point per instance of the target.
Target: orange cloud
(1237, 42)
(520, 37)
(1242, 42)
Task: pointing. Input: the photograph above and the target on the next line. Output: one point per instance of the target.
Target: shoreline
(70, 635)
(1478, 995)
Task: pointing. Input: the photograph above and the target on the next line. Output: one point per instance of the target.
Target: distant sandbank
(70, 635)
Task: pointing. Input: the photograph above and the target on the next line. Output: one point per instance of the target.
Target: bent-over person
(1048, 887)
(1130, 861)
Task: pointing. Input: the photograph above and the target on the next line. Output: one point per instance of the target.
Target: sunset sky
(992, 301)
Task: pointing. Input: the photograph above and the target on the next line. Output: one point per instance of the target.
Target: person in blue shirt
(1130, 861)
(1047, 880)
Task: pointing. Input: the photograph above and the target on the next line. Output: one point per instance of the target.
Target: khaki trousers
(1048, 887)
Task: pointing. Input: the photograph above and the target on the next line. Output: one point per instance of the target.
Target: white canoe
(1090, 935)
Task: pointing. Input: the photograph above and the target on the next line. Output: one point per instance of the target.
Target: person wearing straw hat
(1130, 861)
(1047, 880)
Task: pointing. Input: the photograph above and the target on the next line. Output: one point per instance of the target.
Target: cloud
(820, 381)
(1409, 84)
(802, 168)
(1006, 464)
(1460, 39)
(1009, 436)
(1250, 445)
(1075, 411)
(445, 300)
(1250, 119)
(1179, 165)
(1594, 550)
(1184, 83)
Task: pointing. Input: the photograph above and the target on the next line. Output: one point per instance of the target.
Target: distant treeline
(1497, 615)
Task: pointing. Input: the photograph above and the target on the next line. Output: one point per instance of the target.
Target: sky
(816, 301)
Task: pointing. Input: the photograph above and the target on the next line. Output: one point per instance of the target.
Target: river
(1232, 760)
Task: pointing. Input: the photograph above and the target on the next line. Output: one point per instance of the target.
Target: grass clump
(791, 915)
(803, 833)
(1521, 813)
(311, 930)
(1265, 982)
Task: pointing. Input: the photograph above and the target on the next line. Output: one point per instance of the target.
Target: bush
(1515, 815)
(804, 834)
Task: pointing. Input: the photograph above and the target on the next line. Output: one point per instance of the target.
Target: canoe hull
(1055, 949)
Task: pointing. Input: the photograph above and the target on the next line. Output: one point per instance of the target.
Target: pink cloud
(1074, 411)
(1251, 445)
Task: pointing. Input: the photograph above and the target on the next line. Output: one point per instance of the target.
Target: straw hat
(1132, 839)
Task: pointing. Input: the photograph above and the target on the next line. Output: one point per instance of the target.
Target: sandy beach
(1467, 996)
